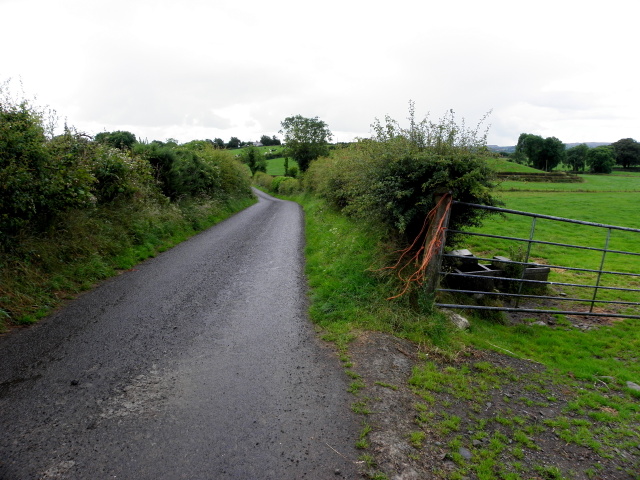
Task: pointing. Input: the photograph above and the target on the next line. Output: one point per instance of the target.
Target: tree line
(235, 142)
(548, 153)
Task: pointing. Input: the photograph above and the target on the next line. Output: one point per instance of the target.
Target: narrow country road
(197, 364)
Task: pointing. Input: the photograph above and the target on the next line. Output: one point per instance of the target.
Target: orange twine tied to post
(430, 247)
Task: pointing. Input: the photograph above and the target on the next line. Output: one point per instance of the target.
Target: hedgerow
(395, 176)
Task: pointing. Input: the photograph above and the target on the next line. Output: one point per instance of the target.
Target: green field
(611, 200)
(592, 183)
(502, 165)
(275, 166)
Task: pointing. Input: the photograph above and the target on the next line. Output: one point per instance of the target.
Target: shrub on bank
(395, 177)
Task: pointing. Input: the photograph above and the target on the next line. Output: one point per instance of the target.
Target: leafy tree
(218, 142)
(552, 154)
(576, 157)
(269, 141)
(305, 139)
(541, 153)
(119, 139)
(627, 152)
(254, 159)
(234, 142)
(528, 148)
(601, 159)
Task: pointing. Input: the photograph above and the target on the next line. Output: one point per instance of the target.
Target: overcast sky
(197, 69)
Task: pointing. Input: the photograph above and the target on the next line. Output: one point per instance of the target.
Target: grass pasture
(275, 166)
(608, 203)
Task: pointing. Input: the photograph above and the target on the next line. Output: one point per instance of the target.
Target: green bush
(262, 180)
(39, 178)
(288, 186)
(254, 159)
(395, 177)
(161, 157)
(120, 175)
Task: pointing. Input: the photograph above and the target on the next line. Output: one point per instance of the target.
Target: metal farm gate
(461, 272)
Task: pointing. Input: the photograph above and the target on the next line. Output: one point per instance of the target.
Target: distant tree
(528, 148)
(218, 142)
(119, 139)
(254, 159)
(234, 142)
(552, 154)
(305, 139)
(601, 159)
(541, 153)
(268, 141)
(577, 157)
(627, 152)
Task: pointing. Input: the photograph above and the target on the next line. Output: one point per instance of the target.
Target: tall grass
(348, 286)
(86, 246)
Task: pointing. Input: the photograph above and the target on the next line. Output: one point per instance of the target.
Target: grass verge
(558, 406)
(88, 246)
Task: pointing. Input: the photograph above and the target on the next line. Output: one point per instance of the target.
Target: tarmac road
(197, 364)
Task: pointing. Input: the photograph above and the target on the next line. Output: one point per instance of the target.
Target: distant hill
(511, 149)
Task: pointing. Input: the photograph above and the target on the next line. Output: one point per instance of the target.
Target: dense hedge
(41, 177)
(395, 176)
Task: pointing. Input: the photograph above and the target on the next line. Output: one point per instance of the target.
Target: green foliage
(194, 169)
(305, 139)
(543, 154)
(395, 177)
(162, 157)
(289, 186)
(234, 142)
(553, 154)
(38, 178)
(269, 141)
(576, 157)
(601, 159)
(120, 175)
(263, 180)
(122, 140)
(627, 152)
(254, 159)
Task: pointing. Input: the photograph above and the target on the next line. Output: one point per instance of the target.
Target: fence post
(441, 217)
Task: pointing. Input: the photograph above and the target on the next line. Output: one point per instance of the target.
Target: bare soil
(386, 363)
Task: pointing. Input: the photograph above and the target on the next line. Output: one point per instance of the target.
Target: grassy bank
(87, 246)
(541, 402)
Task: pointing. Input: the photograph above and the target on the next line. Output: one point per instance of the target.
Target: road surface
(197, 364)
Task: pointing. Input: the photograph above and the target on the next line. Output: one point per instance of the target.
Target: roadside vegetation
(506, 398)
(76, 209)
(549, 402)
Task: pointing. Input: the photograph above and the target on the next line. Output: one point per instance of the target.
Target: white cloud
(201, 69)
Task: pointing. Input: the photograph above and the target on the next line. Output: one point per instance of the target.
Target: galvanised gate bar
(493, 276)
